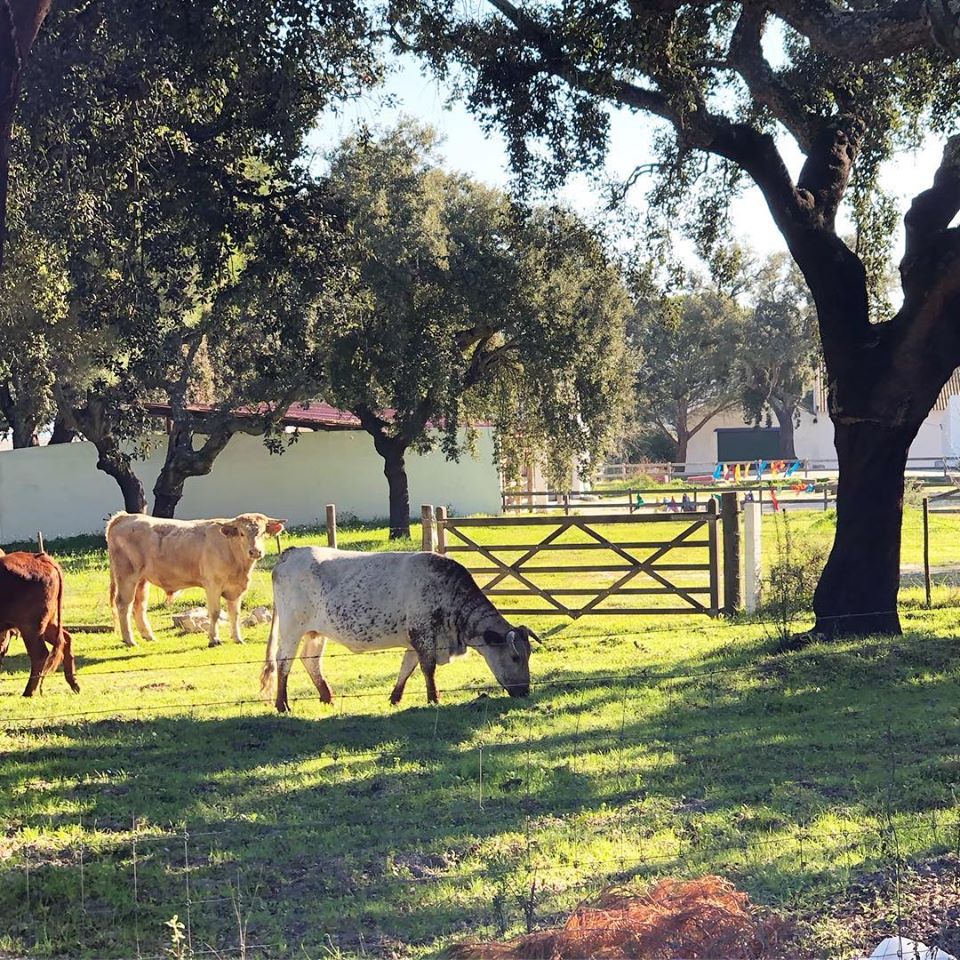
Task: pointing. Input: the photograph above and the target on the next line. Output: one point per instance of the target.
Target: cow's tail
(56, 654)
(268, 675)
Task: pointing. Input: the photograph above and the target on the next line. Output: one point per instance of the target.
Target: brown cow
(31, 602)
(218, 555)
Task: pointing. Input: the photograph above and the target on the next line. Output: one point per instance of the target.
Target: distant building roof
(312, 416)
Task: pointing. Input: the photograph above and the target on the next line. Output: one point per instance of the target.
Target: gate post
(730, 515)
(428, 540)
(332, 525)
(752, 520)
(441, 530)
(714, 561)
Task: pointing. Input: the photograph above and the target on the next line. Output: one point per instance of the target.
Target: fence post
(826, 496)
(714, 559)
(730, 515)
(428, 542)
(752, 525)
(441, 530)
(332, 525)
(926, 548)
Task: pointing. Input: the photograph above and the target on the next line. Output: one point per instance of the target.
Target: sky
(468, 148)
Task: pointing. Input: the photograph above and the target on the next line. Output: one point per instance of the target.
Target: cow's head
(248, 531)
(508, 656)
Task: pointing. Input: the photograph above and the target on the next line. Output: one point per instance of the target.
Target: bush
(786, 593)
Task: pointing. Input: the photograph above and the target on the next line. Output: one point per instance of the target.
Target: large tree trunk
(183, 461)
(62, 431)
(395, 470)
(784, 415)
(857, 593)
(116, 464)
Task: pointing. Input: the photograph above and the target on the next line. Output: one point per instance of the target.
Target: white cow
(424, 603)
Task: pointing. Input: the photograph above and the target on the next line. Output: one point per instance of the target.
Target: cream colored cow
(218, 555)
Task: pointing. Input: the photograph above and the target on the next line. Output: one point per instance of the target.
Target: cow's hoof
(129, 643)
(395, 698)
(238, 640)
(214, 643)
(75, 687)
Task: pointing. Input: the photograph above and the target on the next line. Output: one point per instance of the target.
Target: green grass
(650, 746)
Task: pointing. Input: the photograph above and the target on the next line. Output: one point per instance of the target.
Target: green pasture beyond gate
(649, 746)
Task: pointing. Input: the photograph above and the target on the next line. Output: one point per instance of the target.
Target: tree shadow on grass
(401, 828)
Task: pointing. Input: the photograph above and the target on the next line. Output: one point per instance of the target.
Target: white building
(728, 437)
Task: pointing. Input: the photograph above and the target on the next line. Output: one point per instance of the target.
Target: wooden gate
(656, 556)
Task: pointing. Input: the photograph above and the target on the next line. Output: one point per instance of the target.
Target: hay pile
(692, 920)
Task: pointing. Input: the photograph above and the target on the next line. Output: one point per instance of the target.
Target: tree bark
(857, 592)
(23, 429)
(784, 415)
(62, 431)
(113, 462)
(183, 461)
(395, 470)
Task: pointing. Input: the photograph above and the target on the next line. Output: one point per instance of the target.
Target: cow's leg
(291, 633)
(213, 612)
(5, 636)
(126, 592)
(410, 661)
(140, 597)
(69, 663)
(37, 651)
(233, 615)
(428, 666)
(312, 657)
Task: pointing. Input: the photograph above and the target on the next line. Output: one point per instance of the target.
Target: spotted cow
(426, 604)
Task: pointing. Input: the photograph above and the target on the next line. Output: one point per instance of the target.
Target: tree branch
(862, 35)
(931, 211)
(746, 57)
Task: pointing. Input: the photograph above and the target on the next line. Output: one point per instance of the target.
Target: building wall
(813, 438)
(59, 490)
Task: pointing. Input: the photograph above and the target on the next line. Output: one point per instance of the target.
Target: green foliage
(546, 85)
(159, 154)
(471, 309)
(779, 354)
(688, 344)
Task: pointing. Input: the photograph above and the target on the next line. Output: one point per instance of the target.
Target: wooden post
(441, 530)
(40, 540)
(714, 573)
(428, 541)
(730, 515)
(332, 525)
(630, 500)
(926, 548)
(826, 496)
(566, 504)
(752, 525)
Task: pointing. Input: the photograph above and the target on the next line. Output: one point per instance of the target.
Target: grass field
(649, 746)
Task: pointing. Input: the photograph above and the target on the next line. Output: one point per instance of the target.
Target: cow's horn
(533, 636)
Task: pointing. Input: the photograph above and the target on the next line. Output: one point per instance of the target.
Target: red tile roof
(313, 416)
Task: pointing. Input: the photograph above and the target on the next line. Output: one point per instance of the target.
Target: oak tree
(851, 84)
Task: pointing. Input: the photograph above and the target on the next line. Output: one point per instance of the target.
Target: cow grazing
(31, 602)
(422, 602)
(218, 555)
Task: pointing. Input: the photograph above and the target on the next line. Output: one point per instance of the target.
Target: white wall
(951, 428)
(813, 438)
(59, 490)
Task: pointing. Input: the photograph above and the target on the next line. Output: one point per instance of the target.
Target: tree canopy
(471, 309)
(160, 157)
(689, 345)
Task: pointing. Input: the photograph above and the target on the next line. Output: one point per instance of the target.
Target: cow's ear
(229, 530)
(274, 527)
(493, 639)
